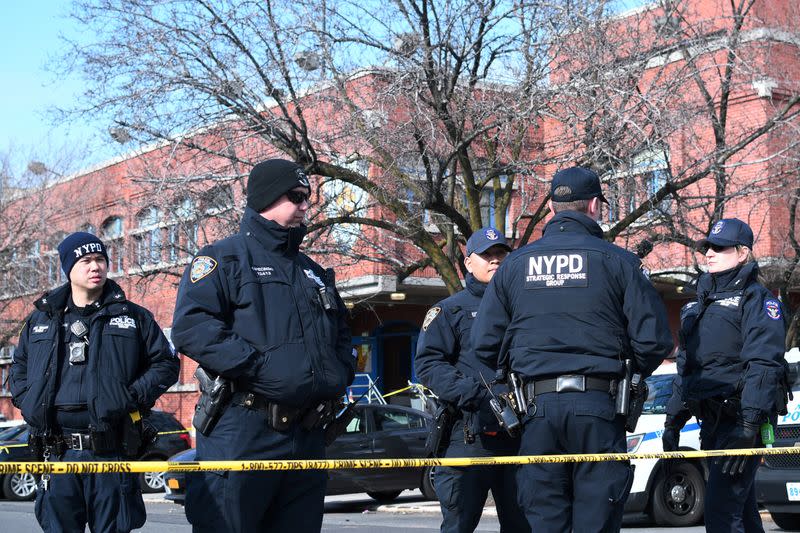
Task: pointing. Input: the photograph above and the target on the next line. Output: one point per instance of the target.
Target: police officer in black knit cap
(446, 365)
(263, 318)
(565, 313)
(88, 364)
(731, 373)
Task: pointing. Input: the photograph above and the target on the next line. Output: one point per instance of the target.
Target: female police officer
(730, 371)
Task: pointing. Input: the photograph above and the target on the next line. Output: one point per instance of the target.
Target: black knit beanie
(75, 246)
(270, 179)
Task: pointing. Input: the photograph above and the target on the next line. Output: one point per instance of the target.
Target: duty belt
(568, 383)
(78, 441)
(279, 416)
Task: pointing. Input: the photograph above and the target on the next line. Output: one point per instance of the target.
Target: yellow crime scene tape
(336, 464)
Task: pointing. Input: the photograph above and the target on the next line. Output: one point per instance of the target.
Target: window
(631, 185)
(52, 262)
(6, 356)
(386, 419)
(112, 236)
(148, 238)
(182, 233)
(357, 424)
(88, 228)
(659, 393)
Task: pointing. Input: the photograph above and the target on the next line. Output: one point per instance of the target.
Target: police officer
(564, 312)
(446, 365)
(88, 363)
(730, 372)
(255, 310)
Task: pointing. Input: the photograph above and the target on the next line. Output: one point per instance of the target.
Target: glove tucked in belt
(568, 383)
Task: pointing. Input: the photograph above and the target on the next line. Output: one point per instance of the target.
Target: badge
(491, 234)
(202, 266)
(773, 309)
(718, 227)
(302, 178)
(432, 313)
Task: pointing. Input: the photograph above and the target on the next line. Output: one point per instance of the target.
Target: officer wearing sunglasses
(257, 312)
(731, 372)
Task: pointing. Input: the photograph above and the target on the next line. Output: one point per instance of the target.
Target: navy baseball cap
(728, 232)
(483, 239)
(576, 183)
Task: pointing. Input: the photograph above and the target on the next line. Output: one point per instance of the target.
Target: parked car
(377, 431)
(778, 479)
(671, 491)
(13, 447)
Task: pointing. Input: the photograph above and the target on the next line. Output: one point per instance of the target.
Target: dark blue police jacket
(444, 361)
(732, 343)
(571, 303)
(250, 309)
(129, 361)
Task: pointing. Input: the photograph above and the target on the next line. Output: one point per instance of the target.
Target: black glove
(744, 435)
(671, 438)
(672, 433)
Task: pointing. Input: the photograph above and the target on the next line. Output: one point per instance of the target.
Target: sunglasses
(297, 197)
(716, 247)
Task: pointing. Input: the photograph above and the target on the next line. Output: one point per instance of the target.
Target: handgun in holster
(444, 419)
(632, 392)
(215, 394)
(131, 438)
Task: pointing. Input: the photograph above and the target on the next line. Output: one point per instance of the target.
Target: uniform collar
(55, 301)
(573, 222)
(734, 279)
(271, 235)
(475, 287)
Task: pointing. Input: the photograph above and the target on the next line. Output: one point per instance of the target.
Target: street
(350, 513)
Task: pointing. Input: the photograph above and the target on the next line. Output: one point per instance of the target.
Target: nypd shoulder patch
(773, 309)
(202, 266)
(430, 316)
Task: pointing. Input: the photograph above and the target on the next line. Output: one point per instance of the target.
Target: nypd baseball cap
(728, 232)
(75, 246)
(271, 179)
(576, 183)
(483, 239)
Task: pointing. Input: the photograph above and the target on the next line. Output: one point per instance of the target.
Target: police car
(672, 492)
(778, 479)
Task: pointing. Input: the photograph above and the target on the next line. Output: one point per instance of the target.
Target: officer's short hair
(582, 206)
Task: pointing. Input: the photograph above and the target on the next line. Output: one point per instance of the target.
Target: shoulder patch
(773, 309)
(202, 266)
(430, 316)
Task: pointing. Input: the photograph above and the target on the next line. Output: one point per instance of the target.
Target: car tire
(384, 496)
(788, 521)
(678, 495)
(151, 482)
(19, 487)
(426, 486)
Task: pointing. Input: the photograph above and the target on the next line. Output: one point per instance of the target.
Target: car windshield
(659, 393)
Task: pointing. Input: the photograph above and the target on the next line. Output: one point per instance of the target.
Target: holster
(214, 396)
(439, 434)
(639, 393)
(131, 435)
(107, 442)
(321, 415)
(36, 445)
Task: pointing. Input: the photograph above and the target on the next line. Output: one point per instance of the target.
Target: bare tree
(439, 116)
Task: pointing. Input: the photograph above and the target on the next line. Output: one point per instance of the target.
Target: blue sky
(29, 39)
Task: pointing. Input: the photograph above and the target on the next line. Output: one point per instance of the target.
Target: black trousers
(462, 491)
(244, 502)
(580, 497)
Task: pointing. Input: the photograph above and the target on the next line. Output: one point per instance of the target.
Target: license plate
(793, 491)
(173, 484)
